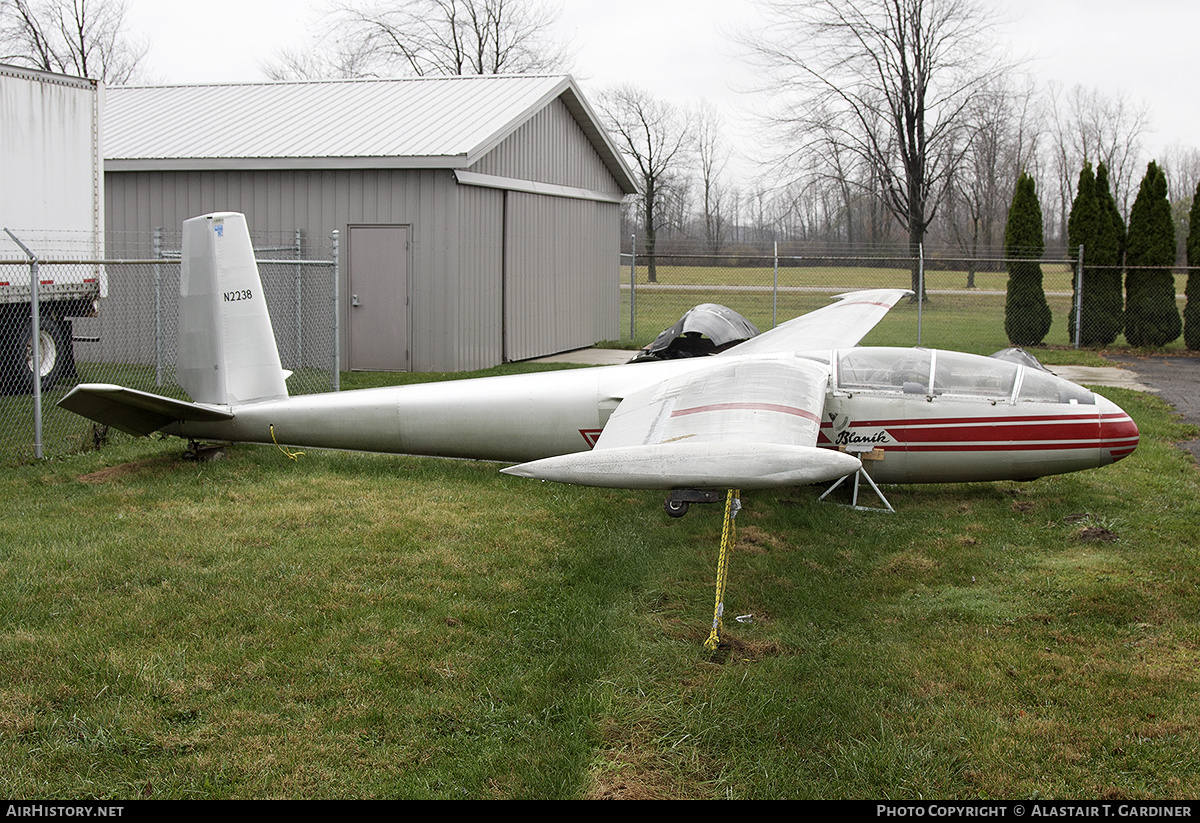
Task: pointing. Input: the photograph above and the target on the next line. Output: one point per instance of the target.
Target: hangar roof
(425, 122)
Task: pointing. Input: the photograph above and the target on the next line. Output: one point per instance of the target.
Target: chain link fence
(964, 305)
(130, 338)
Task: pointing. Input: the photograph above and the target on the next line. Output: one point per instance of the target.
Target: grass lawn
(342, 625)
(331, 625)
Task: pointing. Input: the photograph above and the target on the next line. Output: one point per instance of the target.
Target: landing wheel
(676, 508)
(679, 499)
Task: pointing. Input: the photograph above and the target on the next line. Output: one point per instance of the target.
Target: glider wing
(741, 424)
(837, 326)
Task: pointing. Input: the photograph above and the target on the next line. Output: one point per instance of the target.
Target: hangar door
(378, 334)
(559, 274)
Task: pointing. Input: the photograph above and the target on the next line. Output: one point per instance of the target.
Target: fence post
(336, 381)
(775, 291)
(632, 284)
(920, 286)
(297, 247)
(35, 335)
(158, 307)
(1079, 296)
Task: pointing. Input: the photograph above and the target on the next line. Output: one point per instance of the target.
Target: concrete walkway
(590, 357)
(1102, 376)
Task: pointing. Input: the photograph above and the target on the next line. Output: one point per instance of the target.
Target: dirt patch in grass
(733, 649)
(627, 783)
(1089, 531)
(1092, 534)
(753, 540)
(633, 765)
(907, 564)
(138, 468)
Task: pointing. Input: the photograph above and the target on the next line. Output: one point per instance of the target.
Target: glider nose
(1118, 432)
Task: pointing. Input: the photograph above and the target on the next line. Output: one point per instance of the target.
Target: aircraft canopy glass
(884, 369)
(913, 371)
(970, 374)
(1043, 387)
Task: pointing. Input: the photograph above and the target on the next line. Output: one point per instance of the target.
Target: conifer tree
(1083, 225)
(1191, 311)
(1026, 313)
(1109, 315)
(1096, 224)
(1151, 315)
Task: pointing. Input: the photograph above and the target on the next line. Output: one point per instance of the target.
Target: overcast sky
(680, 49)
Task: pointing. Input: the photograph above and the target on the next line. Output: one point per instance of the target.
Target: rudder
(227, 352)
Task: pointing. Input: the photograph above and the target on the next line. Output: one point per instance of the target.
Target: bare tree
(654, 135)
(1181, 164)
(888, 80)
(1001, 140)
(712, 155)
(1090, 127)
(970, 208)
(430, 37)
(85, 38)
(315, 64)
(842, 182)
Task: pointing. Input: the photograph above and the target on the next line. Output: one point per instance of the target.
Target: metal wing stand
(861, 451)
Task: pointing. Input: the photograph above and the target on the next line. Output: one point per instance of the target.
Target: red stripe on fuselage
(1118, 434)
(1115, 431)
(1065, 430)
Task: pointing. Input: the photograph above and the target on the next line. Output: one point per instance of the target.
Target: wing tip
(866, 295)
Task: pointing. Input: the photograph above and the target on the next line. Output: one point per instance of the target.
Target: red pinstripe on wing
(745, 406)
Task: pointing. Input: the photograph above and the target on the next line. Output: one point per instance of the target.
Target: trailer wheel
(54, 344)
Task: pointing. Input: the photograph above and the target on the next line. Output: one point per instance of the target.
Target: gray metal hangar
(479, 216)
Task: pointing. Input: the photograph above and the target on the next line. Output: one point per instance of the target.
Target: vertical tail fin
(227, 351)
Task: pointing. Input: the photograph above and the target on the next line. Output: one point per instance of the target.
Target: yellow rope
(292, 455)
(728, 536)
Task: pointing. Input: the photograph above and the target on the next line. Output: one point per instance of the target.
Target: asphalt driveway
(1175, 378)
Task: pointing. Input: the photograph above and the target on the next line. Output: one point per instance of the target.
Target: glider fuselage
(800, 403)
(1001, 426)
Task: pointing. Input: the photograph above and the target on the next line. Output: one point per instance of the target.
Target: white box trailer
(52, 206)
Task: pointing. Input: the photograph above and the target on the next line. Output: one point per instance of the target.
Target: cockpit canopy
(935, 373)
(703, 330)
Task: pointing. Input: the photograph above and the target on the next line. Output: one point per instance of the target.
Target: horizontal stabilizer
(703, 465)
(135, 412)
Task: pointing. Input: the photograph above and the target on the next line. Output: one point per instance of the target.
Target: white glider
(799, 404)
